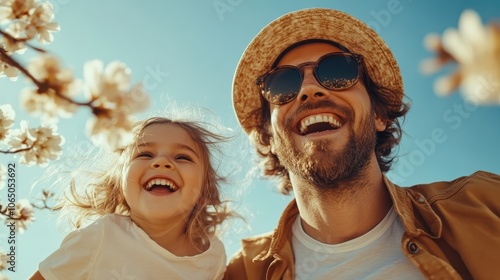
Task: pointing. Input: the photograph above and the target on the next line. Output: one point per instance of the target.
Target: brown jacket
(452, 232)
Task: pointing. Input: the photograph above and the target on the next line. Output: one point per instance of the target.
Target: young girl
(158, 209)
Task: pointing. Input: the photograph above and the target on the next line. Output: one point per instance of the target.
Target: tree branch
(10, 151)
(12, 62)
(21, 40)
(43, 87)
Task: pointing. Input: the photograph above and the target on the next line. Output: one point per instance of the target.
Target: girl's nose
(162, 162)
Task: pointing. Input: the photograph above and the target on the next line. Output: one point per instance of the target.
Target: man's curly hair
(383, 104)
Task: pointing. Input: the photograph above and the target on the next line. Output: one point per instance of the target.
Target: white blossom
(13, 46)
(42, 144)
(108, 88)
(7, 115)
(27, 20)
(24, 215)
(16, 9)
(9, 71)
(476, 51)
(106, 84)
(5, 12)
(110, 132)
(16, 30)
(17, 13)
(41, 25)
(58, 86)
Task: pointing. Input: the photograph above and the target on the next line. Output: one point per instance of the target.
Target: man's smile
(319, 123)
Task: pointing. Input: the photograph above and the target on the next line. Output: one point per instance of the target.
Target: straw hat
(315, 23)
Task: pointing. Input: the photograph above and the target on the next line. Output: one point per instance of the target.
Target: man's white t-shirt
(374, 255)
(113, 247)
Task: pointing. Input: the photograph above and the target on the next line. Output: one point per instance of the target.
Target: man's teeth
(320, 118)
(161, 182)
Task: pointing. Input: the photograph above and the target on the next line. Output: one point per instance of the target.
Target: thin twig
(47, 195)
(16, 151)
(45, 206)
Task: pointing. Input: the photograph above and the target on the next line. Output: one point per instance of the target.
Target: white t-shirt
(113, 247)
(374, 255)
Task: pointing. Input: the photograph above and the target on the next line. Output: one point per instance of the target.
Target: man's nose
(311, 89)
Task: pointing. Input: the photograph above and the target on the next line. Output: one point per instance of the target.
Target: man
(320, 94)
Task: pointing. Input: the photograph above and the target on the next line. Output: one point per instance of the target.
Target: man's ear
(380, 123)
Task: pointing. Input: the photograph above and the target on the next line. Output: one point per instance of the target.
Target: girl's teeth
(161, 182)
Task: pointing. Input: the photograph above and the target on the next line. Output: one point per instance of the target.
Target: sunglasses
(334, 71)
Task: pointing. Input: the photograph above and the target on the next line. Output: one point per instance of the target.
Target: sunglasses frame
(261, 80)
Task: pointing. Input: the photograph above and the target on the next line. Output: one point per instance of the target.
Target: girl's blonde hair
(103, 193)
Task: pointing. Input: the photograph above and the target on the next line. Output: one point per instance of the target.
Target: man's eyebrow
(177, 145)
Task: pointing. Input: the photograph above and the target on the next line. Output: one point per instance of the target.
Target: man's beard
(317, 164)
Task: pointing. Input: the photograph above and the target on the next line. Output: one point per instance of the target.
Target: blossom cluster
(113, 102)
(475, 49)
(22, 215)
(33, 145)
(55, 92)
(107, 91)
(25, 20)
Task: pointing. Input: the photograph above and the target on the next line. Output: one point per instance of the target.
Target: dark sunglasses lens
(337, 71)
(282, 86)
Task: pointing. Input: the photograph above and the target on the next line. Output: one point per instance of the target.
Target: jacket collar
(404, 200)
(283, 233)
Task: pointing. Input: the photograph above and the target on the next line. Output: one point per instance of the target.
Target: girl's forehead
(166, 134)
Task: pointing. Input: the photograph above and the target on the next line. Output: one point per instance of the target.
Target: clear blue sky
(195, 47)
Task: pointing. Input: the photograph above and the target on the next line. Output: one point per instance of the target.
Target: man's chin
(323, 148)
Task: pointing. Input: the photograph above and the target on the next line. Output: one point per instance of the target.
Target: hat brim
(314, 23)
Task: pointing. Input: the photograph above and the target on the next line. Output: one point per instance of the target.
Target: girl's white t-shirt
(374, 255)
(113, 247)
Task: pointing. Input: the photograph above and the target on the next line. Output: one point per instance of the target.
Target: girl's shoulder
(216, 248)
(107, 223)
(114, 219)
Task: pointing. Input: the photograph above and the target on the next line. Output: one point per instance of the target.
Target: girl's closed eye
(183, 157)
(144, 154)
